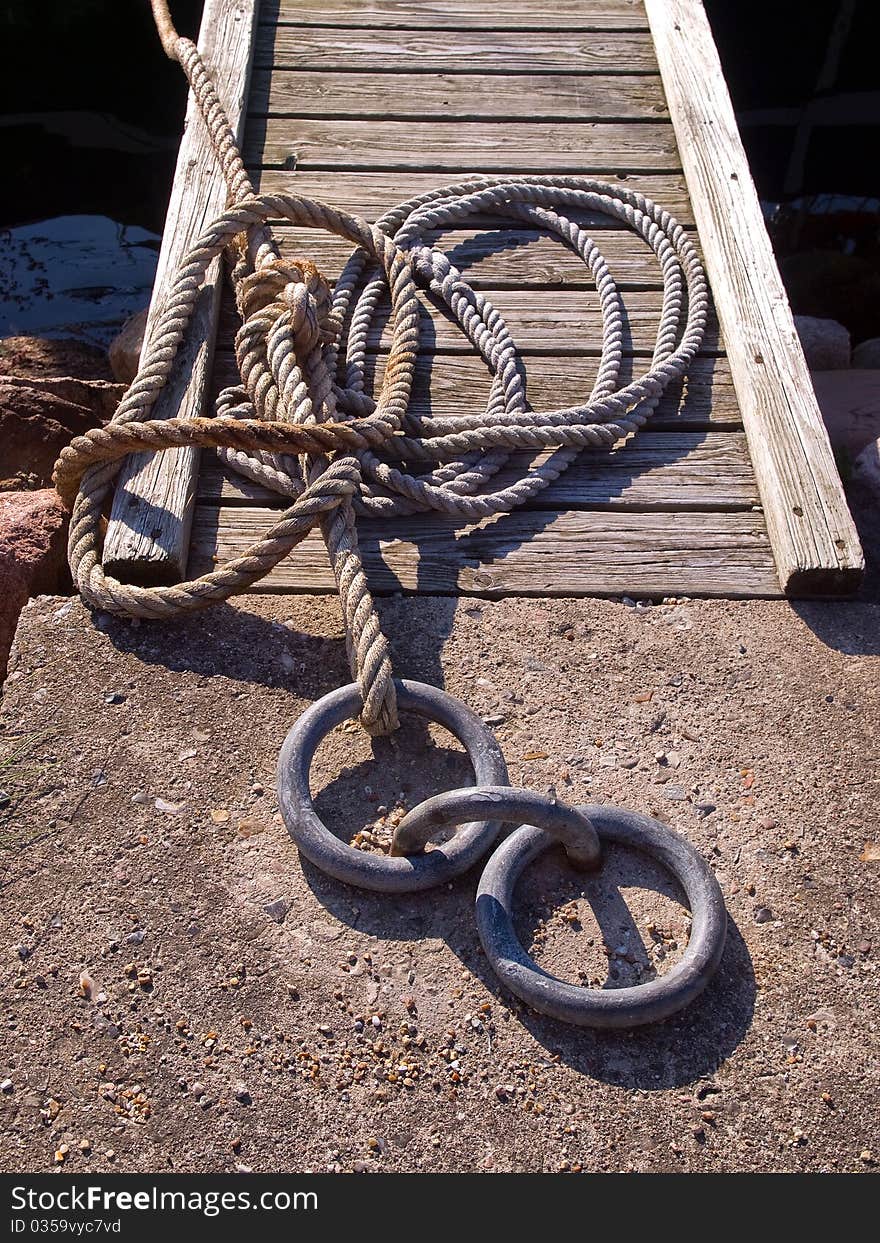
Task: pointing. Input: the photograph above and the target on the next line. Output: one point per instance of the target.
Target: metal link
(378, 872)
(567, 824)
(609, 1008)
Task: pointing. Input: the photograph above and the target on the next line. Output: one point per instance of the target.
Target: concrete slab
(181, 993)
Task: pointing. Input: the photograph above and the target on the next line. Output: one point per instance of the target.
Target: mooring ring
(608, 1008)
(380, 872)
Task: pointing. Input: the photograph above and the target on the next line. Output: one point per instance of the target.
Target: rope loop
(303, 421)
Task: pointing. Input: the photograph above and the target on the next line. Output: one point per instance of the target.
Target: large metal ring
(379, 872)
(621, 1007)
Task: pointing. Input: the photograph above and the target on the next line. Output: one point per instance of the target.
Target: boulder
(825, 343)
(33, 539)
(39, 416)
(866, 355)
(125, 349)
(866, 468)
(850, 405)
(41, 356)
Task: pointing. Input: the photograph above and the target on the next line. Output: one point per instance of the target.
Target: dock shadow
(852, 627)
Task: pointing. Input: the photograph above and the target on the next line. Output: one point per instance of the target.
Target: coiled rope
(302, 421)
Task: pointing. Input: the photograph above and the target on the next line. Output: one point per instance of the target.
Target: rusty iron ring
(608, 1008)
(379, 872)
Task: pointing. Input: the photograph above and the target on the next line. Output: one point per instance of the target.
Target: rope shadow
(230, 642)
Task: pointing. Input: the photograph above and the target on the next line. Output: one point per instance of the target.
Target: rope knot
(293, 287)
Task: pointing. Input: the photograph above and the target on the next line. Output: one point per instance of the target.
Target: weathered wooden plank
(459, 14)
(558, 322)
(527, 553)
(310, 93)
(655, 470)
(814, 539)
(148, 533)
(470, 51)
(372, 193)
(505, 257)
(454, 146)
(457, 384)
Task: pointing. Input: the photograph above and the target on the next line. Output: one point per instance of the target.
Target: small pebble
(674, 792)
(170, 809)
(763, 914)
(7, 1086)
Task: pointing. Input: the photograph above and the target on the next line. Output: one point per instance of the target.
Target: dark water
(91, 112)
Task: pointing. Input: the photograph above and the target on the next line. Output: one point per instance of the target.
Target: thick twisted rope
(302, 422)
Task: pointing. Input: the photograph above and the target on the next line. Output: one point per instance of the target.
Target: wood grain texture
(558, 322)
(656, 470)
(457, 384)
(528, 553)
(372, 193)
(453, 146)
(470, 51)
(459, 14)
(148, 533)
(507, 257)
(813, 537)
(579, 97)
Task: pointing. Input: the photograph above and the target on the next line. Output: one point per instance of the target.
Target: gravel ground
(180, 992)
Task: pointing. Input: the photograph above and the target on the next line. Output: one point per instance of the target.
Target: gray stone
(850, 405)
(866, 468)
(867, 353)
(825, 342)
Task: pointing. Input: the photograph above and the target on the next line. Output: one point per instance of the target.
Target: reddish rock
(125, 349)
(38, 417)
(33, 548)
(42, 356)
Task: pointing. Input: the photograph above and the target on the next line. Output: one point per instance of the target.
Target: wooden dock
(731, 489)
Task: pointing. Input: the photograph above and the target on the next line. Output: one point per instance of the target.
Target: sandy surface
(243, 1011)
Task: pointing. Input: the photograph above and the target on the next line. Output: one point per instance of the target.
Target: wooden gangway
(730, 490)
